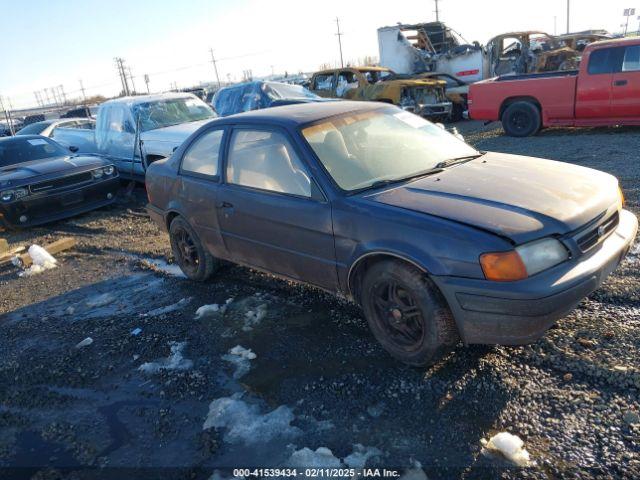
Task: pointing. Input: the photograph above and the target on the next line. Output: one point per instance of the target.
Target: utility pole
(215, 66)
(7, 116)
(437, 10)
(84, 95)
(568, 14)
(555, 25)
(64, 97)
(38, 99)
(146, 80)
(628, 12)
(123, 76)
(133, 84)
(339, 34)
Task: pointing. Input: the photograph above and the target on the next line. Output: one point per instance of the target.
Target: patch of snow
(511, 446)
(171, 269)
(207, 310)
(136, 331)
(254, 317)
(100, 300)
(70, 311)
(322, 457)
(42, 260)
(175, 360)
(241, 358)
(376, 410)
(85, 343)
(245, 424)
(169, 308)
(360, 455)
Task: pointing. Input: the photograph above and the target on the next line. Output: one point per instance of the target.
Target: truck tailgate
(554, 93)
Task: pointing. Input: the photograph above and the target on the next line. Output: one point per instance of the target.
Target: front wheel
(521, 119)
(407, 313)
(192, 258)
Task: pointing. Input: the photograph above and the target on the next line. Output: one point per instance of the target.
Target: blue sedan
(435, 240)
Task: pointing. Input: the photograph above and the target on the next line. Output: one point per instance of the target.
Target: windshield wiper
(454, 161)
(384, 183)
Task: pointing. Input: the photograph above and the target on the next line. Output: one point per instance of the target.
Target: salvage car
(434, 239)
(604, 92)
(47, 128)
(133, 132)
(41, 181)
(247, 96)
(422, 96)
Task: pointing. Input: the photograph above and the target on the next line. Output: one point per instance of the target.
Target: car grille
(61, 183)
(598, 233)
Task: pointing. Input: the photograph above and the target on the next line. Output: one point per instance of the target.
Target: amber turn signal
(503, 266)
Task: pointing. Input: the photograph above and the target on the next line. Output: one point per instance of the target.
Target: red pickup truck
(605, 91)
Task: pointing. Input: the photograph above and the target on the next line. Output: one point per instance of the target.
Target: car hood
(521, 198)
(17, 174)
(175, 134)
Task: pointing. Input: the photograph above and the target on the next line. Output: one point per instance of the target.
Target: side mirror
(73, 148)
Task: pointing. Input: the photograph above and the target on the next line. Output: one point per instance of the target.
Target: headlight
(97, 173)
(620, 198)
(110, 170)
(9, 195)
(524, 261)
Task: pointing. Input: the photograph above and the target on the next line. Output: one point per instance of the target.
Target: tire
(521, 119)
(191, 256)
(417, 327)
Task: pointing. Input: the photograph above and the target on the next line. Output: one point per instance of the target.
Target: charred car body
(422, 96)
(434, 239)
(40, 181)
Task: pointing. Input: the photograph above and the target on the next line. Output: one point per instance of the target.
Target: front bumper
(515, 313)
(39, 209)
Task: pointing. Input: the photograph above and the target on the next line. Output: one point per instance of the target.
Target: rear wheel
(192, 258)
(521, 119)
(406, 313)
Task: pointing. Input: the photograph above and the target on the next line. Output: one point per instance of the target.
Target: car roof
(300, 114)
(359, 69)
(130, 101)
(612, 42)
(24, 138)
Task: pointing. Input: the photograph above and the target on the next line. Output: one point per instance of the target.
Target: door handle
(224, 205)
(620, 83)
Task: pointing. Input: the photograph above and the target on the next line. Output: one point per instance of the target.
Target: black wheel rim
(398, 315)
(520, 121)
(186, 250)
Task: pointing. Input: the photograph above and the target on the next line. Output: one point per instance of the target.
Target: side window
(265, 160)
(605, 60)
(323, 82)
(202, 156)
(631, 61)
(346, 81)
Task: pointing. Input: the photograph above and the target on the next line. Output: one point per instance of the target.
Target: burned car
(247, 96)
(41, 181)
(422, 96)
(529, 52)
(434, 239)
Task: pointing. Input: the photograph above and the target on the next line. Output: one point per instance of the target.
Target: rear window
(631, 59)
(606, 60)
(19, 150)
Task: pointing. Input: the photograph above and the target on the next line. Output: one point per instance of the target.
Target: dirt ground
(281, 375)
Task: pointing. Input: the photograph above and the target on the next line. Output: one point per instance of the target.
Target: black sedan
(436, 240)
(41, 181)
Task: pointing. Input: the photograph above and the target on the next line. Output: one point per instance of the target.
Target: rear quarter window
(631, 61)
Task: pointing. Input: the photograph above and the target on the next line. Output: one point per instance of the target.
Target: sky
(50, 43)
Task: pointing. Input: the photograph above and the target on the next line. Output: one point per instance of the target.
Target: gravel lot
(177, 394)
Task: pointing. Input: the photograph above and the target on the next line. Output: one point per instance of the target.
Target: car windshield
(374, 76)
(174, 111)
(363, 148)
(34, 128)
(20, 150)
(277, 91)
